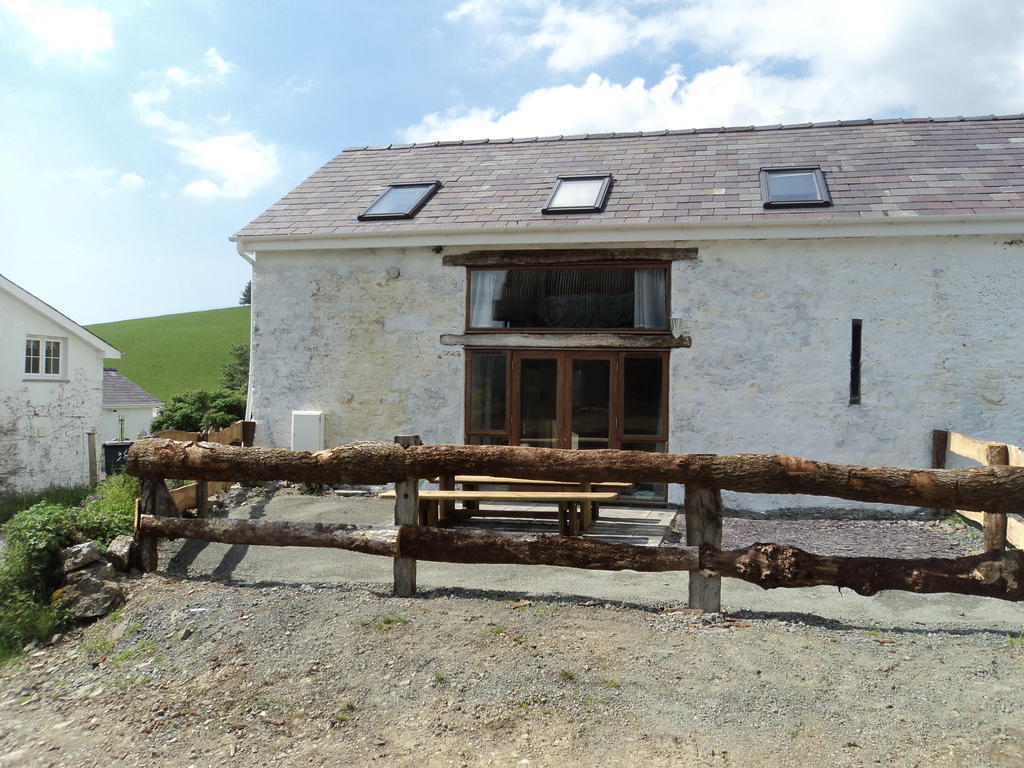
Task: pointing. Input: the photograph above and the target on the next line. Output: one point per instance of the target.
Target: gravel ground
(196, 671)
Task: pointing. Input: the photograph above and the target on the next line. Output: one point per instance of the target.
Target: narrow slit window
(855, 353)
(401, 201)
(578, 194)
(794, 187)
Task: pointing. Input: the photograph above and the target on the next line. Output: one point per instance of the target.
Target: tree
(246, 297)
(199, 410)
(234, 374)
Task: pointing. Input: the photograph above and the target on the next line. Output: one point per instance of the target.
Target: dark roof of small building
(120, 390)
(874, 168)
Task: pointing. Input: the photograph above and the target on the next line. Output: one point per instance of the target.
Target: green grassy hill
(172, 353)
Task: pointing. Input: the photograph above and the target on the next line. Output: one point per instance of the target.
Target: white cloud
(235, 165)
(299, 84)
(240, 163)
(130, 181)
(84, 32)
(102, 181)
(579, 38)
(216, 64)
(778, 61)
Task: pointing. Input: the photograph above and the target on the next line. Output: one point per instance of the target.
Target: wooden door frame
(563, 385)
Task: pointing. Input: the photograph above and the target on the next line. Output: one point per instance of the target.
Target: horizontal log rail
(422, 543)
(993, 574)
(993, 489)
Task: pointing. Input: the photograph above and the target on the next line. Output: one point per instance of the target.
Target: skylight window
(401, 201)
(578, 194)
(791, 187)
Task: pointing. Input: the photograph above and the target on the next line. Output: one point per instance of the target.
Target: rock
(183, 634)
(103, 571)
(120, 551)
(90, 593)
(80, 556)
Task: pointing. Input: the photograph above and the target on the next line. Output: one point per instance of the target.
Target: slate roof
(120, 390)
(874, 169)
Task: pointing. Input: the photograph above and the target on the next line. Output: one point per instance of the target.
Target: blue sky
(136, 137)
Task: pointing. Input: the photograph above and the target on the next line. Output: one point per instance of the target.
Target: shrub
(32, 540)
(234, 374)
(201, 409)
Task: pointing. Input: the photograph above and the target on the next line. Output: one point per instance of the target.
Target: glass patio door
(563, 399)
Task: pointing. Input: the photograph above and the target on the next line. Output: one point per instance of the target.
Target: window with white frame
(44, 356)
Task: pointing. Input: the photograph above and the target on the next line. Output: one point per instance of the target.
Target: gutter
(659, 233)
(244, 252)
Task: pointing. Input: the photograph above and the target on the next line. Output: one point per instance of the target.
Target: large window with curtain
(580, 399)
(633, 298)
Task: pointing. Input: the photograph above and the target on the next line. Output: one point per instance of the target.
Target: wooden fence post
(202, 498)
(407, 500)
(154, 499)
(703, 509)
(995, 525)
(94, 474)
(248, 433)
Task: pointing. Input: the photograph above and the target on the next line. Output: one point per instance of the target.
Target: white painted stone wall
(136, 419)
(769, 370)
(356, 335)
(43, 423)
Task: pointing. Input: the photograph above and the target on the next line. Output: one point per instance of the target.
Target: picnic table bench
(575, 507)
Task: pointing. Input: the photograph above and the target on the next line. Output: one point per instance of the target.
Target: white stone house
(128, 409)
(51, 393)
(833, 291)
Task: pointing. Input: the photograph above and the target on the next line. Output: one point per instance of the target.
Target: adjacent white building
(832, 291)
(128, 409)
(51, 393)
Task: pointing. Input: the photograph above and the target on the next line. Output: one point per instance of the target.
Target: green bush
(201, 409)
(32, 540)
(234, 374)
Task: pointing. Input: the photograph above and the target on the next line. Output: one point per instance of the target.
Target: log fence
(197, 495)
(999, 529)
(992, 489)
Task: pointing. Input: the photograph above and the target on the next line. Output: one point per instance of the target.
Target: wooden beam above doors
(549, 256)
(565, 340)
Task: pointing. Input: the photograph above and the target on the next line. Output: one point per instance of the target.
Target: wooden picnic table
(590, 512)
(574, 507)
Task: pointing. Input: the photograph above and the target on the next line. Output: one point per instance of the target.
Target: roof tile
(898, 167)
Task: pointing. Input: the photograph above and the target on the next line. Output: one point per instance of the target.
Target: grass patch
(173, 353)
(344, 712)
(33, 539)
(1016, 641)
(65, 496)
(97, 645)
(387, 621)
(142, 648)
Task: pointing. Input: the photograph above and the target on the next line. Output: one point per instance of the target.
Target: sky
(136, 136)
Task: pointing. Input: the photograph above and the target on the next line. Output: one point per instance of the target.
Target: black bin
(115, 455)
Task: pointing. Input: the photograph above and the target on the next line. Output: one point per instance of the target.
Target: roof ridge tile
(683, 131)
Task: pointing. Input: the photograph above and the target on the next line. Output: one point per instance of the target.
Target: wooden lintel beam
(567, 340)
(555, 256)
